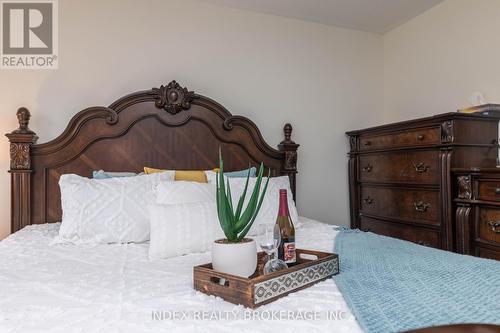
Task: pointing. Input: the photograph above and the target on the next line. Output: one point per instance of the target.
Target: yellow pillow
(187, 175)
(191, 175)
(149, 171)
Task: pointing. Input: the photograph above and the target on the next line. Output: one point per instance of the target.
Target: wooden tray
(259, 289)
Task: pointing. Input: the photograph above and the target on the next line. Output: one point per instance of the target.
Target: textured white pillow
(269, 209)
(183, 229)
(107, 210)
(179, 192)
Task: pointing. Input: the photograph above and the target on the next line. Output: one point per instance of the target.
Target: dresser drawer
(488, 225)
(408, 138)
(489, 190)
(418, 167)
(487, 253)
(421, 206)
(401, 231)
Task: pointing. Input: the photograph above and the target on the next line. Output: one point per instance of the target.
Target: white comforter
(116, 288)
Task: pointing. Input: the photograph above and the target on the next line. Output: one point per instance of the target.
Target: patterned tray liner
(289, 282)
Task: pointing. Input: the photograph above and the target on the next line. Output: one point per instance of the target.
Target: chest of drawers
(477, 212)
(400, 175)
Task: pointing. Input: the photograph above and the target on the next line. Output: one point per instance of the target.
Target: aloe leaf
(242, 233)
(225, 215)
(217, 195)
(242, 198)
(262, 195)
(227, 212)
(222, 214)
(250, 210)
(221, 189)
(221, 172)
(230, 200)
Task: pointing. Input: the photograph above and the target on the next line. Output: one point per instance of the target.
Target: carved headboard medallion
(173, 98)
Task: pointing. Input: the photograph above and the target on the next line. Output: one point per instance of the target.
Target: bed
(115, 287)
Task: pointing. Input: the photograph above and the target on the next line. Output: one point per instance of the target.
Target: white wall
(436, 61)
(324, 80)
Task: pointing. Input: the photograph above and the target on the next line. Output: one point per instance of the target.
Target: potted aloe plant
(236, 254)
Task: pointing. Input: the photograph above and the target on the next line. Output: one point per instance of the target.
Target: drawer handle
(368, 168)
(495, 226)
(420, 137)
(420, 167)
(367, 143)
(368, 200)
(421, 206)
(497, 190)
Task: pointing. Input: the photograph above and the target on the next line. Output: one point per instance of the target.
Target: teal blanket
(393, 285)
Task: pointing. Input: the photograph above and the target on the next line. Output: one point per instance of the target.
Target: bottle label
(289, 253)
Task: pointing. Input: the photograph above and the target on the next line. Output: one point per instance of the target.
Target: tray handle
(308, 256)
(219, 281)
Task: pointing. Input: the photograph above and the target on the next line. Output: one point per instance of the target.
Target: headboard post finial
(287, 129)
(21, 141)
(289, 148)
(23, 117)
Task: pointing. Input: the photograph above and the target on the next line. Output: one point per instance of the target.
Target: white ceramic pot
(235, 258)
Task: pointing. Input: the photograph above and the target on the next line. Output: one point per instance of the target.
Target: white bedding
(116, 288)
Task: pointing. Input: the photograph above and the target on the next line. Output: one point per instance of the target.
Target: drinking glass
(269, 240)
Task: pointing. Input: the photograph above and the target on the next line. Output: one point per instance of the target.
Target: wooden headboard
(168, 127)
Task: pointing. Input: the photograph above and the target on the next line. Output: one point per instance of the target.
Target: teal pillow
(101, 174)
(241, 173)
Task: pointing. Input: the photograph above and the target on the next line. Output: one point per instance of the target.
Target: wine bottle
(286, 249)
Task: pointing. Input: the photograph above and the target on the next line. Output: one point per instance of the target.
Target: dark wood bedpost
(21, 141)
(289, 165)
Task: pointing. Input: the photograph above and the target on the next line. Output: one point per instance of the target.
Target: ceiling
(377, 16)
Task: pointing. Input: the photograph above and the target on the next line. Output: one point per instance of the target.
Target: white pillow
(269, 209)
(110, 210)
(183, 229)
(178, 192)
